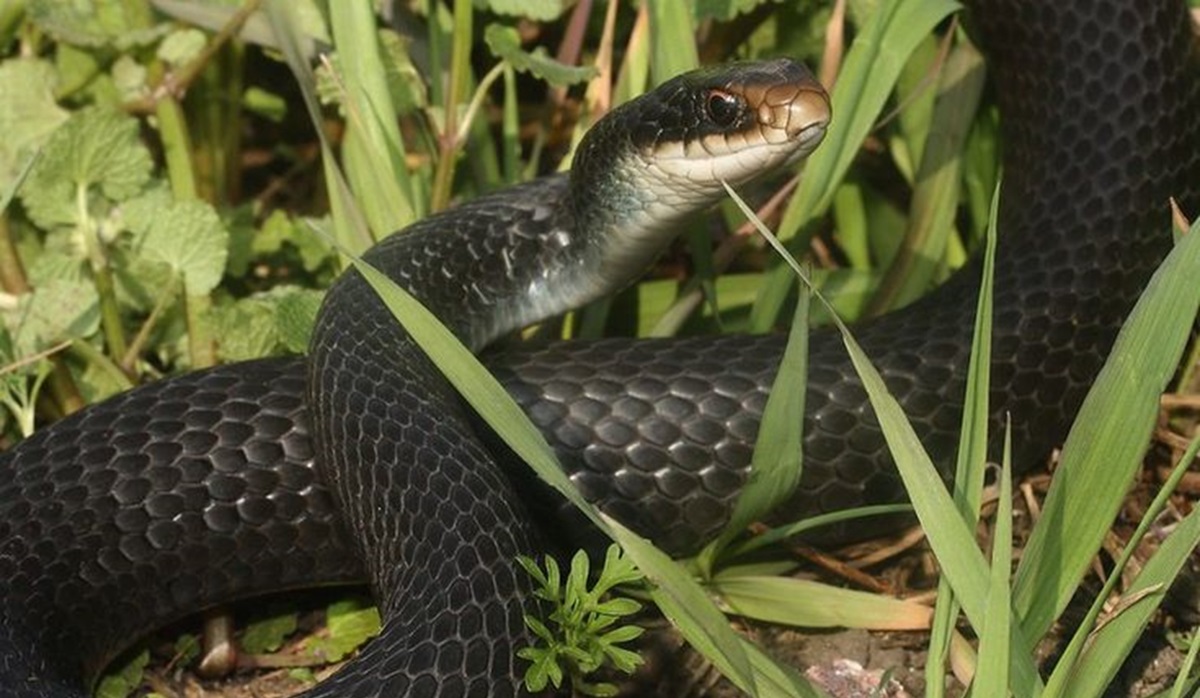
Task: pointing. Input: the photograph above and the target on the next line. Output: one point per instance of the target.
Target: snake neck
(517, 257)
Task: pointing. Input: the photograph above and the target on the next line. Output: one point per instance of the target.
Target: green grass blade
(777, 460)
(991, 678)
(373, 149)
(350, 230)
(936, 189)
(1109, 437)
(781, 533)
(1189, 662)
(809, 604)
(1116, 639)
(1112, 642)
(972, 450)
(871, 69)
(949, 535)
(672, 40)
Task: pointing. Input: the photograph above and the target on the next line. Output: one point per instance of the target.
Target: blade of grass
(872, 66)
(1113, 642)
(952, 541)
(350, 230)
(676, 593)
(456, 94)
(972, 450)
(809, 604)
(1189, 662)
(991, 678)
(936, 188)
(782, 533)
(373, 149)
(777, 460)
(1105, 445)
(672, 40)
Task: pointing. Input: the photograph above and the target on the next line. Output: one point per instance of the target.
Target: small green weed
(579, 637)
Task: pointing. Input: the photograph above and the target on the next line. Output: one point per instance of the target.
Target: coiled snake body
(197, 490)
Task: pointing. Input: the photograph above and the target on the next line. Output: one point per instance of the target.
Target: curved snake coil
(200, 489)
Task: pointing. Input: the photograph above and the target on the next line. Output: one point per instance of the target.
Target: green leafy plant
(580, 634)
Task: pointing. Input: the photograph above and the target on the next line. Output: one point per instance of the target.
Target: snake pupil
(723, 108)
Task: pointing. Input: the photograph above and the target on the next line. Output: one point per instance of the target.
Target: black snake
(196, 490)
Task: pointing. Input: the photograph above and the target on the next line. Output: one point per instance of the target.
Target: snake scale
(196, 490)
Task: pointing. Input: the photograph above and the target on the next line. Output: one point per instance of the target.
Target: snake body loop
(197, 490)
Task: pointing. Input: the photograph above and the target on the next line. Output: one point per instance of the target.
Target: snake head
(662, 157)
(732, 122)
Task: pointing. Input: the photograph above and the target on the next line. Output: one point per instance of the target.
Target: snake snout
(797, 111)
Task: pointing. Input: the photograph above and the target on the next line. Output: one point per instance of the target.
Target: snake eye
(723, 108)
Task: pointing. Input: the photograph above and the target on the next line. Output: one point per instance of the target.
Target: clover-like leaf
(28, 112)
(189, 236)
(95, 23)
(97, 149)
(505, 43)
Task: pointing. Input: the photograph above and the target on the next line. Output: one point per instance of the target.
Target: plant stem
(181, 172)
(110, 313)
(460, 66)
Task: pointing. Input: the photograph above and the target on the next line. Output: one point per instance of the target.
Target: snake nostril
(809, 110)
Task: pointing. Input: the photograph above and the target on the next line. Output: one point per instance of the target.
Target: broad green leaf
(94, 23)
(189, 237)
(96, 149)
(28, 112)
(295, 314)
(1105, 445)
(181, 46)
(245, 328)
(505, 43)
(130, 78)
(56, 310)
